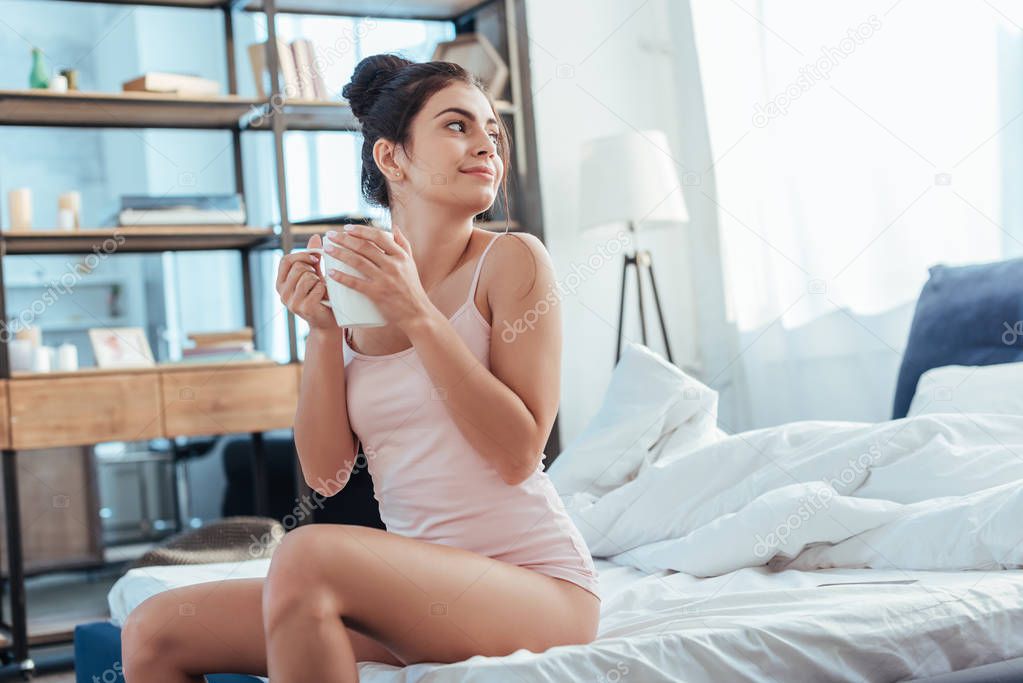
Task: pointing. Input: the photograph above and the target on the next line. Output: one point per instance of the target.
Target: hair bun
(369, 77)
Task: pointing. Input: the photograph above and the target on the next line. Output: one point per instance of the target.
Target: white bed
(748, 625)
(915, 520)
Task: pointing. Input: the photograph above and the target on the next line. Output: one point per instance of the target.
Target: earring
(397, 174)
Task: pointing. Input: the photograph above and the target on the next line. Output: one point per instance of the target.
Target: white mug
(351, 308)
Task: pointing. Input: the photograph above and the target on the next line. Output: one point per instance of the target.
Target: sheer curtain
(854, 145)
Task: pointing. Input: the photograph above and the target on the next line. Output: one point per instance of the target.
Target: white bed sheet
(747, 625)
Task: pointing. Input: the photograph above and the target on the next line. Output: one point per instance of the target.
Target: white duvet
(934, 492)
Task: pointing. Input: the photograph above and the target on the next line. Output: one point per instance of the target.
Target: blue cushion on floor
(98, 656)
(966, 315)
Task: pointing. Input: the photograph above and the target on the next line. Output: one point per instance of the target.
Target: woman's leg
(425, 602)
(217, 627)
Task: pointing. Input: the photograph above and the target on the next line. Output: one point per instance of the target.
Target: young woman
(453, 400)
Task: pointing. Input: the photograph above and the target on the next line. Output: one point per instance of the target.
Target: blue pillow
(966, 315)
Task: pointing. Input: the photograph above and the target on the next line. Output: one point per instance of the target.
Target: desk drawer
(73, 411)
(227, 400)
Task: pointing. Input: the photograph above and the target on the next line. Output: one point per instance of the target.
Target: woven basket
(233, 539)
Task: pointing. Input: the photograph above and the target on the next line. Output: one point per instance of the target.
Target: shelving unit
(386, 9)
(136, 240)
(196, 399)
(122, 110)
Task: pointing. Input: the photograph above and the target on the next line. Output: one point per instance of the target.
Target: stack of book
(183, 85)
(212, 209)
(221, 347)
(301, 78)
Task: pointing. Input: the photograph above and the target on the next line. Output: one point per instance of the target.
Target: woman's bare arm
(323, 435)
(506, 412)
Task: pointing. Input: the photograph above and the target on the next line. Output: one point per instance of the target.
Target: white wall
(599, 68)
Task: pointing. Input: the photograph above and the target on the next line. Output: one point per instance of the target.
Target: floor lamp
(631, 178)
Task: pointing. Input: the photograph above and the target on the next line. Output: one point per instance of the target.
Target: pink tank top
(431, 484)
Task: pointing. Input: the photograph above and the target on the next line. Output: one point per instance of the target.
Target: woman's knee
(151, 635)
(295, 586)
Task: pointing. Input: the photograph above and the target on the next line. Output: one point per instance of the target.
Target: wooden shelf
(134, 239)
(94, 405)
(156, 110)
(159, 367)
(308, 231)
(122, 110)
(228, 399)
(396, 9)
(312, 115)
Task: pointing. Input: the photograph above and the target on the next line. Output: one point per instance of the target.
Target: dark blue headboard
(966, 315)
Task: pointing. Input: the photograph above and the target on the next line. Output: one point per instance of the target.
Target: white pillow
(970, 389)
(646, 398)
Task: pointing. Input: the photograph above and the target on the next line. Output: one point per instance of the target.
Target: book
(142, 217)
(257, 58)
(319, 84)
(245, 347)
(165, 82)
(339, 219)
(310, 77)
(226, 202)
(228, 344)
(303, 54)
(242, 334)
(209, 209)
(289, 75)
(224, 357)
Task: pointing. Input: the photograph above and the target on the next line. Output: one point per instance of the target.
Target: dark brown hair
(386, 92)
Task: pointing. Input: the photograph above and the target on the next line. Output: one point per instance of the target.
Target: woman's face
(454, 143)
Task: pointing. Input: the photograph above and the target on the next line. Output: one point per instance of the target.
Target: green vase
(40, 76)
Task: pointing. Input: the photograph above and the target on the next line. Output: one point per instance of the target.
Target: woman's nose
(487, 145)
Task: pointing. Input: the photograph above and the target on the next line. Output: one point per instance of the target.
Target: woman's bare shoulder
(516, 264)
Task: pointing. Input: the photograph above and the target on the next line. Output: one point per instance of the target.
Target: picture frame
(477, 55)
(121, 347)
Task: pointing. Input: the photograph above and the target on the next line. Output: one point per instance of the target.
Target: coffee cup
(351, 308)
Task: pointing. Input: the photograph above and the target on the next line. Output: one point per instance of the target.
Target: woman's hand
(390, 278)
(301, 287)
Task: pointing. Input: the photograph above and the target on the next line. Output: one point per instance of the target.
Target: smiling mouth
(481, 174)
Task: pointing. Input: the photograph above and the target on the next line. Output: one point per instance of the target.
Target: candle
(71, 200)
(67, 357)
(19, 204)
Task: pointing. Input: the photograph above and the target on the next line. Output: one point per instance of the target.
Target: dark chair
(355, 504)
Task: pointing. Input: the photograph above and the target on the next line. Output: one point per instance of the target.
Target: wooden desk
(48, 410)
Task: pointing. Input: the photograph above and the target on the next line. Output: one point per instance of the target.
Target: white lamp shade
(629, 177)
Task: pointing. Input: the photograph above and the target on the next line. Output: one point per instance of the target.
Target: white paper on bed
(928, 492)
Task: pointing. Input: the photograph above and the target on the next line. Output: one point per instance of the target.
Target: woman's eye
(495, 135)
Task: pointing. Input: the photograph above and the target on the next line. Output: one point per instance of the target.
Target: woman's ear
(383, 155)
